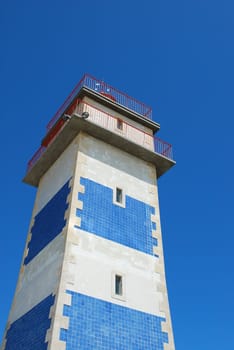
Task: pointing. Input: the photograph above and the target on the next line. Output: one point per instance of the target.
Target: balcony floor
(72, 128)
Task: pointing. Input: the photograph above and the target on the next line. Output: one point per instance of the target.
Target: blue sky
(176, 56)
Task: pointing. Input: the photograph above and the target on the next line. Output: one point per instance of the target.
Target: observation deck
(107, 114)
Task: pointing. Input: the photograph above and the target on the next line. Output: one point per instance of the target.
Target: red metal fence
(106, 90)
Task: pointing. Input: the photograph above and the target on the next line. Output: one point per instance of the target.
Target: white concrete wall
(113, 168)
(39, 278)
(90, 266)
(58, 174)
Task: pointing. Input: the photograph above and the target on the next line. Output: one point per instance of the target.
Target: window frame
(115, 198)
(115, 295)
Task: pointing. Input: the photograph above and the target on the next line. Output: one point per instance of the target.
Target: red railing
(163, 148)
(112, 123)
(106, 90)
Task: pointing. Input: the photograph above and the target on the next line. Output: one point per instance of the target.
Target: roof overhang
(72, 128)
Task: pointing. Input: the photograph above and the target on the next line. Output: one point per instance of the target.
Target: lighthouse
(92, 276)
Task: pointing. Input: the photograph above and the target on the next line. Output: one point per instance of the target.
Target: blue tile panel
(48, 223)
(29, 331)
(100, 325)
(130, 226)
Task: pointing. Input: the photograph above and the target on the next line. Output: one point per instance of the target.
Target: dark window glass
(118, 285)
(119, 124)
(119, 195)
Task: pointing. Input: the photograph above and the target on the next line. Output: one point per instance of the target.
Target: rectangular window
(119, 124)
(119, 195)
(118, 285)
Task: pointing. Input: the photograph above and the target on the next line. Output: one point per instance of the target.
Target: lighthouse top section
(108, 114)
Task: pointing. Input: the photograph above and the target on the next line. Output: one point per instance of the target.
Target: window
(119, 124)
(119, 195)
(118, 285)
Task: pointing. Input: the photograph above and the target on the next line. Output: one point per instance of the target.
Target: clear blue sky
(176, 56)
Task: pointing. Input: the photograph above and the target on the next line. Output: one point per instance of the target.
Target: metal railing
(106, 90)
(116, 125)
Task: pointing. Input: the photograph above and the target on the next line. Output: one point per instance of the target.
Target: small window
(119, 124)
(118, 285)
(119, 195)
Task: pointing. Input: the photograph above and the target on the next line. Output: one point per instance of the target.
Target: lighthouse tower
(92, 275)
